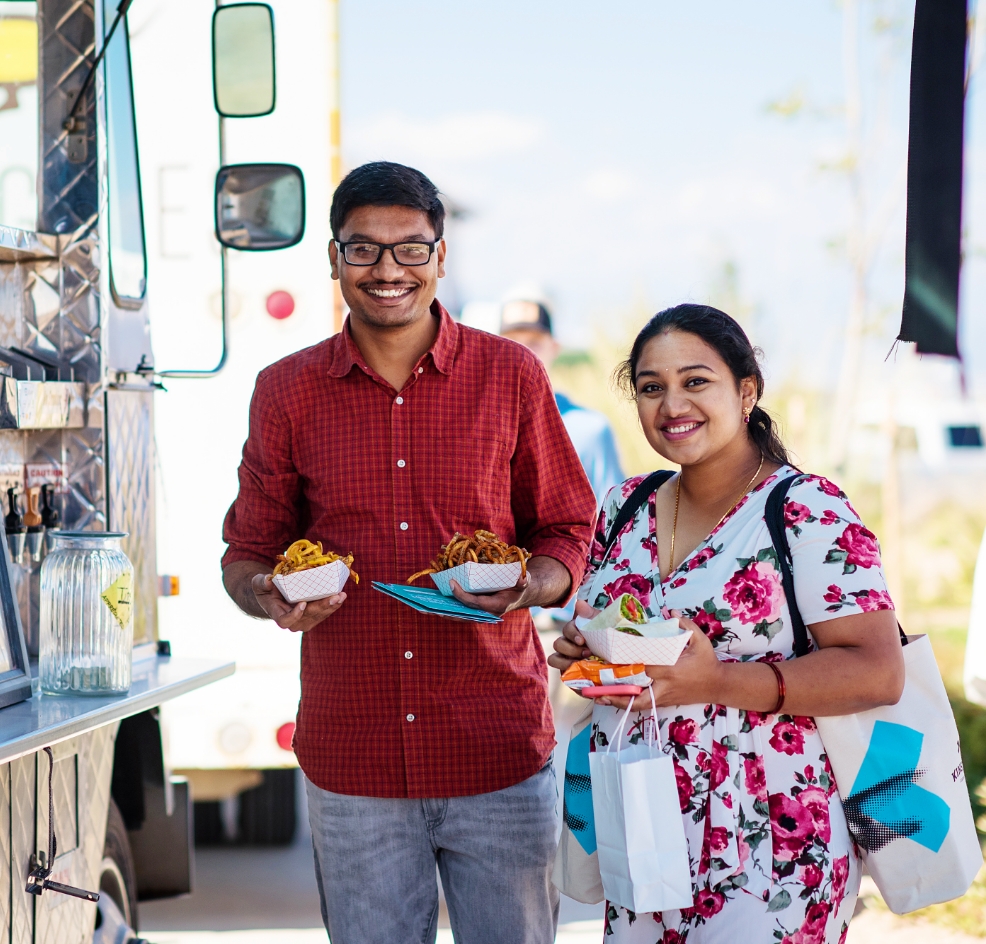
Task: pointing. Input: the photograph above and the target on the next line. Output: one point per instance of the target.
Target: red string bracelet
(781, 688)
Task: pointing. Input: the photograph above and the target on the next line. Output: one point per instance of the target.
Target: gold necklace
(677, 497)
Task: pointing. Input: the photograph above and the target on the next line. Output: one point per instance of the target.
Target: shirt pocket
(474, 483)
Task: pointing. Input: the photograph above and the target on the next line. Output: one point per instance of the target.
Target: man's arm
(250, 586)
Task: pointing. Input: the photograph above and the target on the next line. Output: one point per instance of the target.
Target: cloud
(457, 137)
(608, 184)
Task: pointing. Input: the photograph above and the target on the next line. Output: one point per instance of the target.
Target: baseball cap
(530, 316)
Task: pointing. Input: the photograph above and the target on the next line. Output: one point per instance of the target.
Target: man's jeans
(375, 865)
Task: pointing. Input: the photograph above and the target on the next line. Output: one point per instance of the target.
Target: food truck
(91, 819)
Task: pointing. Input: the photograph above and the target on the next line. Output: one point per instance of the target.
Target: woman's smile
(677, 430)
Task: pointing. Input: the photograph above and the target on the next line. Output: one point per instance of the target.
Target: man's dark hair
(383, 183)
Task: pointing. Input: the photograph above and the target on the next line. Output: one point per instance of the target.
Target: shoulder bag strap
(634, 500)
(774, 516)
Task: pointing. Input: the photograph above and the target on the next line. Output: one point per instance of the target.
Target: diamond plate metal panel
(60, 919)
(23, 798)
(130, 478)
(5, 885)
(69, 191)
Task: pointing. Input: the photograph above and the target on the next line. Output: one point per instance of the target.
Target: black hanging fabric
(934, 177)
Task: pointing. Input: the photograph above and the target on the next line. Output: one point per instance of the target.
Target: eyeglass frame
(341, 247)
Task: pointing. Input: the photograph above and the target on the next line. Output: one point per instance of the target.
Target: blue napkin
(427, 600)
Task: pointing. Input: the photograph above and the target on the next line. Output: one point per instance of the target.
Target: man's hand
(546, 583)
(298, 618)
(250, 585)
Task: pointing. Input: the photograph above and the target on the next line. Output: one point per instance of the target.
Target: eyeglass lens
(409, 254)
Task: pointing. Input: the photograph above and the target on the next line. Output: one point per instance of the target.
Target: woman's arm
(858, 665)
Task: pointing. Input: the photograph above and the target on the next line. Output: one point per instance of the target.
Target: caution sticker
(118, 596)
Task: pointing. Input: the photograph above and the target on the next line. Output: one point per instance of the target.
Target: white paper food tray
(317, 583)
(623, 649)
(478, 578)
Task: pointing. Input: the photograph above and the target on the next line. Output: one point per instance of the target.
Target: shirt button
(400, 400)
(410, 717)
(401, 463)
(421, 370)
(403, 526)
(408, 654)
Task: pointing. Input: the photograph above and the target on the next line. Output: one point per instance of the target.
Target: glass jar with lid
(86, 619)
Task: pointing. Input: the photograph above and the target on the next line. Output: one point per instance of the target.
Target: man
(421, 739)
(529, 323)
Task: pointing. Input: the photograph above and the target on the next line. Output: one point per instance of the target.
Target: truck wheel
(268, 813)
(116, 911)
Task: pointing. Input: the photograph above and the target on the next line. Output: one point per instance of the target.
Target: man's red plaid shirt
(395, 703)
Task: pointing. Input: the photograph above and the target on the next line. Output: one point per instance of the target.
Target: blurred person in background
(423, 740)
(528, 322)
(770, 851)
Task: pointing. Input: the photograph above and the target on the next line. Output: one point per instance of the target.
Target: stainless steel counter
(45, 720)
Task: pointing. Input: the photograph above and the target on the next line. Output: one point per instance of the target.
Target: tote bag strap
(774, 517)
(634, 500)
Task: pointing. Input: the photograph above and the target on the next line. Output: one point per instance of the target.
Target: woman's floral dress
(772, 861)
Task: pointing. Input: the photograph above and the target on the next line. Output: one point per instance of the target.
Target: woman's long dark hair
(729, 340)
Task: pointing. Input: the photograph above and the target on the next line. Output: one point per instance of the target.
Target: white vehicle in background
(236, 737)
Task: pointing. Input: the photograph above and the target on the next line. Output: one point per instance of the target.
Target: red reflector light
(285, 735)
(280, 305)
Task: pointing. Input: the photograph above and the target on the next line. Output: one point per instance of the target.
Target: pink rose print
(701, 558)
(718, 838)
(754, 593)
(792, 827)
(680, 582)
(744, 852)
(811, 876)
(683, 732)
(803, 722)
(636, 584)
(857, 547)
(809, 772)
(708, 623)
(756, 779)
(671, 936)
(834, 594)
(840, 875)
(830, 488)
(756, 718)
(709, 903)
(626, 489)
(685, 788)
(829, 517)
(795, 513)
(815, 800)
(870, 600)
(787, 738)
(812, 931)
(719, 766)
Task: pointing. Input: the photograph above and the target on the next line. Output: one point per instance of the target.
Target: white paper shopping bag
(640, 836)
(899, 773)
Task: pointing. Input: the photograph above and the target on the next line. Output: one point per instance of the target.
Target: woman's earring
(746, 414)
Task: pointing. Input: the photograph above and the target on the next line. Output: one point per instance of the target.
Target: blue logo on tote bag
(885, 803)
(577, 796)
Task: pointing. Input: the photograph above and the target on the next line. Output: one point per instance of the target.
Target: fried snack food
(484, 547)
(595, 671)
(303, 555)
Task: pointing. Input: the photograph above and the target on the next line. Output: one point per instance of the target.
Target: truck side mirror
(260, 206)
(243, 60)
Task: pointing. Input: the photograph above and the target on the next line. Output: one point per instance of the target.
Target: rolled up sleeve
(267, 514)
(552, 501)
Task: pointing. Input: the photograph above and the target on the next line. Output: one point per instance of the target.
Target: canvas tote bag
(898, 769)
(640, 836)
(576, 870)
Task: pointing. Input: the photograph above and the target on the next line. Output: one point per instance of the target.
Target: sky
(621, 155)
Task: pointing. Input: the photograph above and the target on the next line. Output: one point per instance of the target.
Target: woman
(771, 858)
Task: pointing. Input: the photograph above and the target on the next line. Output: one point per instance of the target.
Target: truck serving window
(18, 114)
(128, 261)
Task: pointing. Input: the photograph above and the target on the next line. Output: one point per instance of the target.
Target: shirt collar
(346, 354)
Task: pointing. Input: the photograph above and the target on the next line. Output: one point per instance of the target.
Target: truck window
(18, 114)
(128, 261)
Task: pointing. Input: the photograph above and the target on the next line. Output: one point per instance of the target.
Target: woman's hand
(570, 646)
(692, 680)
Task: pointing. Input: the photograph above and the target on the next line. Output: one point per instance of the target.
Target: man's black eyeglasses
(362, 253)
